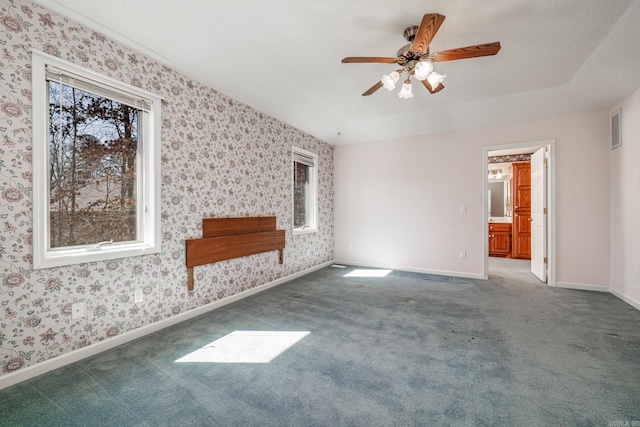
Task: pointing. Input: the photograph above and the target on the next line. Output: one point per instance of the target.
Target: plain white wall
(397, 201)
(625, 203)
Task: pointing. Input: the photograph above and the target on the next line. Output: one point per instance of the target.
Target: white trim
(65, 359)
(32, 371)
(412, 269)
(551, 203)
(313, 211)
(582, 287)
(599, 288)
(92, 75)
(633, 303)
(305, 230)
(148, 182)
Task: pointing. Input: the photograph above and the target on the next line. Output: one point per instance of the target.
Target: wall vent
(616, 119)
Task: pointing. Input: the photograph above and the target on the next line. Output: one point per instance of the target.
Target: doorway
(496, 161)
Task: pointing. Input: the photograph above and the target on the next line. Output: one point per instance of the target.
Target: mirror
(496, 190)
(499, 198)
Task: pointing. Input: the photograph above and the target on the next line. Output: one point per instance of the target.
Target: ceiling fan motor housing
(410, 33)
(405, 55)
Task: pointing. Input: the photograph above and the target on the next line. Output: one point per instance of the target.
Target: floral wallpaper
(220, 158)
(510, 158)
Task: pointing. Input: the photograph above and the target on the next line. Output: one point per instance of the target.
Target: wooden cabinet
(500, 239)
(521, 185)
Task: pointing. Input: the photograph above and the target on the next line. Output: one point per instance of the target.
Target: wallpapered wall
(219, 158)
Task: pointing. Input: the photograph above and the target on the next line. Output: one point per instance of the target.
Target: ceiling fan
(416, 60)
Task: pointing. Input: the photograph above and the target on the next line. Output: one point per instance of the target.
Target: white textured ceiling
(282, 57)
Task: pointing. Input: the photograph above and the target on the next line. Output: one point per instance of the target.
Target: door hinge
(545, 260)
(544, 211)
(545, 161)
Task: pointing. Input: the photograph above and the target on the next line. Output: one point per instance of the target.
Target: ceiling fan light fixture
(405, 92)
(423, 69)
(389, 80)
(435, 79)
(416, 58)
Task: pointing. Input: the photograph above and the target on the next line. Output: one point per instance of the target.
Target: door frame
(550, 144)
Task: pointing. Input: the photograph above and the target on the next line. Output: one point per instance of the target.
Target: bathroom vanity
(500, 239)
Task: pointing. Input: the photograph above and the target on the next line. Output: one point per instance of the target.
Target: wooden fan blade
(359, 59)
(428, 86)
(373, 88)
(428, 28)
(486, 49)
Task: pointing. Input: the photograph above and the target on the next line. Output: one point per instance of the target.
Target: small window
(96, 166)
(305, 194)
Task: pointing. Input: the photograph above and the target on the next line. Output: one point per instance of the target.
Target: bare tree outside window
(300, 190)
(93, 147)
(305, 194)
(96, 166)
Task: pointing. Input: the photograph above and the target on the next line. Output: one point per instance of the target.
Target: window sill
(308, 230)
(91, 254)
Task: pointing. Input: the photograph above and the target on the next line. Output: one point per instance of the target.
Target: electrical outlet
(138, 296)
(77, 310)
(463, 254)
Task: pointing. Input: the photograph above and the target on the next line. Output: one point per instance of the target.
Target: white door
(539, 214)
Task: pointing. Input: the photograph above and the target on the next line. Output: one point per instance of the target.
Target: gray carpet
(403, 350)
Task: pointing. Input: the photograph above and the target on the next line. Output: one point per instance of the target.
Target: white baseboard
(633, 303)
(414, 269)
(582, 287)
(32, 371)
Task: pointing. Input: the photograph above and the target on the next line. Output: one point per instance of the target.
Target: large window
(305, 195)
(96, 166)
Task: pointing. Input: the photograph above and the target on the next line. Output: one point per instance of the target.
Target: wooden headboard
(228, 238)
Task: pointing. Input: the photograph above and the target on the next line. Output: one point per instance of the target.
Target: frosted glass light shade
(406, 92)
(423, 69)
(389, 80)
(435, 79)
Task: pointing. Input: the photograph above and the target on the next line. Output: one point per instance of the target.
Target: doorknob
(530, 219)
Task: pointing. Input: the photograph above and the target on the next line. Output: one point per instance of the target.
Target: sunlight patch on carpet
(245, 347)
(368, 273)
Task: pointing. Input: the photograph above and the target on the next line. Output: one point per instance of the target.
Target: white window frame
(147, 177)
(312, 201)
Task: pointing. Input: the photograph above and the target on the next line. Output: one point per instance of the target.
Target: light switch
(463, 209)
